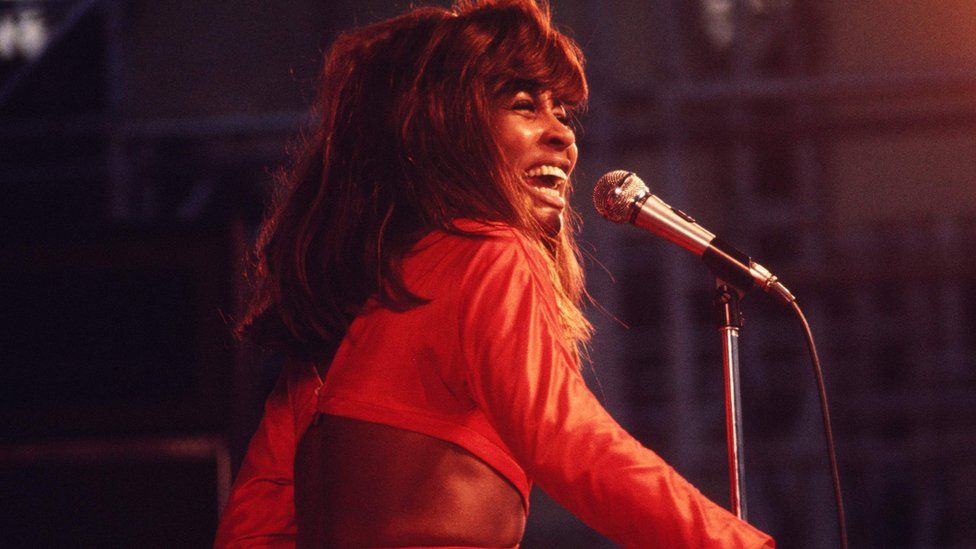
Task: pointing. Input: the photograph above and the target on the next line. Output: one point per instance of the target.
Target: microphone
(622, 197)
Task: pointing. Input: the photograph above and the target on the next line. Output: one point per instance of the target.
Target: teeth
(549, 191)
(547, 171)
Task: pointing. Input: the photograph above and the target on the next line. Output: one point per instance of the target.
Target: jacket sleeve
(261, 509)
(520, 370)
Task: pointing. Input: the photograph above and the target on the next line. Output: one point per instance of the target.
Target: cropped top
(422, 369)
(484, 364)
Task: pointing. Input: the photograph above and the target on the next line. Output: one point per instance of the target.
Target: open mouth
(548, 176)
(547, 181)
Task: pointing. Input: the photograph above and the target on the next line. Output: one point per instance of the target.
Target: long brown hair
(404, 146)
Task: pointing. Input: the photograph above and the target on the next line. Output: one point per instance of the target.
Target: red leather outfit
(482, 365)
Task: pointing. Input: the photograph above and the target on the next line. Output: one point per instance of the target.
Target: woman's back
(361, 484)
(365, 474)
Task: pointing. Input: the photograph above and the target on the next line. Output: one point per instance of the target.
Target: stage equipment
(622, 197)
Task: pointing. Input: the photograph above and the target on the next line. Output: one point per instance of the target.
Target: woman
(421, 260)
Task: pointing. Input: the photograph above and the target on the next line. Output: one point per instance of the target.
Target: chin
(551, 221)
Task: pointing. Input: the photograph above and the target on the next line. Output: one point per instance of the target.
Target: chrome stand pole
(729, 321)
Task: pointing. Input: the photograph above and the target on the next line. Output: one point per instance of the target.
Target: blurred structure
(834, 141)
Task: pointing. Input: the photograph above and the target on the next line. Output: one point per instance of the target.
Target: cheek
(503, 140)
(509, 148)
(513, 138)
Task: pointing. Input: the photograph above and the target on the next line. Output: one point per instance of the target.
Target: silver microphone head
(615, 194)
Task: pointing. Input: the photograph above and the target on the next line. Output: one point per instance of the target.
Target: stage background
(834, 141)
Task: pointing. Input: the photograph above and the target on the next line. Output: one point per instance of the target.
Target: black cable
(828, 432)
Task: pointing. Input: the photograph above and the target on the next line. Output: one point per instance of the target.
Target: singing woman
(419, 267)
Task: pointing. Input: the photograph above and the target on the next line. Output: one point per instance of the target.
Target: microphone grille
(615, 193)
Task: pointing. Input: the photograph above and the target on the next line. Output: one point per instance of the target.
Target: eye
(561, 112)
(562, 115)
(523, 104)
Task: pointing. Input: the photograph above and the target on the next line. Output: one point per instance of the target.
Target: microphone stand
(729, 321)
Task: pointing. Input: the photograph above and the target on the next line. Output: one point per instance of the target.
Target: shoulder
(477, 233)
(471, 239)
(483, 248)
(496, 263)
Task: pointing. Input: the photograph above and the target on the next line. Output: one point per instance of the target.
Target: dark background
(834, 141)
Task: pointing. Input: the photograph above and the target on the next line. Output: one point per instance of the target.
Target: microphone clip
(725, 305)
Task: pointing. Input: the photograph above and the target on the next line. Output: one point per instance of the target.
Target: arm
(261, 510)
(521, 372)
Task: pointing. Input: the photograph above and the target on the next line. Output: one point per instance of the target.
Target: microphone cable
(828, 432)
(622, 197)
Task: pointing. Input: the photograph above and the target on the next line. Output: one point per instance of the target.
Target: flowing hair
(403, 146)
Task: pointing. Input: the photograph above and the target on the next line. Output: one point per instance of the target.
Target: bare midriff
(361, 484)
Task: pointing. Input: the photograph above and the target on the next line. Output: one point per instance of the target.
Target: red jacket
(484, 365)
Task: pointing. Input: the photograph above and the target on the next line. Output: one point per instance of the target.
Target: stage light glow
(23, 33)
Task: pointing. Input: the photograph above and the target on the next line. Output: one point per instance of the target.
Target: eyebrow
(524, 84)
(535, 89)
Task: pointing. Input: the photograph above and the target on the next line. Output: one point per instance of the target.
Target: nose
(557, 134)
